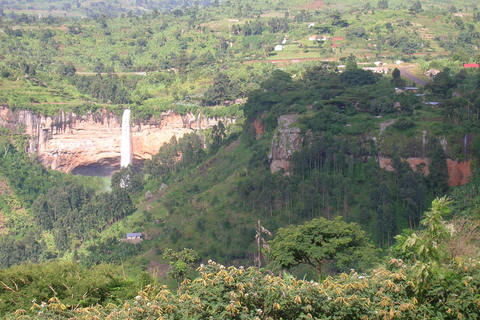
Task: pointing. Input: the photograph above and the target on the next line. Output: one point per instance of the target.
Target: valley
(336, 143)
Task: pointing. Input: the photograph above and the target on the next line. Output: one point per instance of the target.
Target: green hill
(313, 137)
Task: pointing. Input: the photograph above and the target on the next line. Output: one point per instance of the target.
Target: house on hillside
(278, 47)
(384, 70)
(132, 236)
(471, 65)
(411, 89)
(431, 73)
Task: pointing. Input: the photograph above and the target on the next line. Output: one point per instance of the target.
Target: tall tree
(438, 176)
(322, 241)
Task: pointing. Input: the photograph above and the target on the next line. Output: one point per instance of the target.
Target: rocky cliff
(68, 141)
(288, 139)
(458, 172)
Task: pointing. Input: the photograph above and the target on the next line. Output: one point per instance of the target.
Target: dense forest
(369, 240)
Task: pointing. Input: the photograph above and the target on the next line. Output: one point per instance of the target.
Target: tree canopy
(322, 241)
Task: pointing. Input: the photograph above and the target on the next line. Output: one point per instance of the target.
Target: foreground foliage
(75, 285)
(237, 293)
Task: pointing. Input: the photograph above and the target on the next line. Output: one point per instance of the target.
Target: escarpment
(68, 141)
(288, 139)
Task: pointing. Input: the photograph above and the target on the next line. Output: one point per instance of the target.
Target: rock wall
(286, 141)
(67, 141)
(458, 172)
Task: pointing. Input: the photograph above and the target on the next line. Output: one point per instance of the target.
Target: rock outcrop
(286, 141)
(68, 141)
(458, 172)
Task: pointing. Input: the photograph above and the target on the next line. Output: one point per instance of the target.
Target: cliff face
(67, 141)
(458, 172)
(286, 141)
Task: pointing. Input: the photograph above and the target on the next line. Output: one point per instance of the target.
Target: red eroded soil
(458, 172)
(436, 19)
(315, 5)
(258, 127)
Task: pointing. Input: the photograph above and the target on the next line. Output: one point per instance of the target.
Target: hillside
(247, 119)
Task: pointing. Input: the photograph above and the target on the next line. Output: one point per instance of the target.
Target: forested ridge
(367, 242)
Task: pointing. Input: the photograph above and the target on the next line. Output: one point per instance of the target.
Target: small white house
(431, 73)
(377, 69)
(278, 47)
(131, 236)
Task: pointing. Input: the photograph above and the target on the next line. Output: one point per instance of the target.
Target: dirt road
(404, 72)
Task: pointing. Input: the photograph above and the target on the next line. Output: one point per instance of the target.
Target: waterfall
(126, 149)
(465, 147)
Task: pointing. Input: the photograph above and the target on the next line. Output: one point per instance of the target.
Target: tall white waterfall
(126, 149)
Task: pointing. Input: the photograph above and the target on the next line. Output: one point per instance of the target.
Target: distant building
(278, 47)
(471, 65)
(399, 62)
(414, 89)
(384, 70)
(379, 63)
(131, 236)
(431, 73)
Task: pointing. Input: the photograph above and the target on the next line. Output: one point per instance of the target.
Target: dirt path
(385, 124)
(405, 73)
(286, 61)
(315, 5)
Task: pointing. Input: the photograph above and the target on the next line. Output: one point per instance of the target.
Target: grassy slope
(215, 180)
(212, 203)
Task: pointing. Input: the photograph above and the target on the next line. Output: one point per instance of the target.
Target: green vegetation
(213, 194)
(35, 284)
(322, 241)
